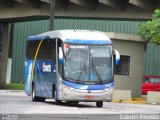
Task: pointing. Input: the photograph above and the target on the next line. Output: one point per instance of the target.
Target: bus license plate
(88, 97)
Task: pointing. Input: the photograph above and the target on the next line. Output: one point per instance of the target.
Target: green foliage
(15, 86)
(151, 29)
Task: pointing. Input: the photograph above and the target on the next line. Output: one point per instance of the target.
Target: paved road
(17, 102)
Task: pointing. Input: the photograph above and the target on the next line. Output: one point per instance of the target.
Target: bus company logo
(46, 68)
(89, 91)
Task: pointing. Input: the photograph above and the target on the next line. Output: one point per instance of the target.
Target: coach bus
(70, 66)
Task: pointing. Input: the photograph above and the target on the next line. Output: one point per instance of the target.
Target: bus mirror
(117, 57)
(60, 59)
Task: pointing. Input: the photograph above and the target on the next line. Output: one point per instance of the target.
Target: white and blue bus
(70, 65)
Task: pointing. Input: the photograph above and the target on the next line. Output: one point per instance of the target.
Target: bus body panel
(74, 36)
(87, 87)
(27, 76)
(44, 77)
(85, 92)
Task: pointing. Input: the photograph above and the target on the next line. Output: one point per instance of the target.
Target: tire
(75, 102)
(58, 102)
(40, 99)
(72, 102)
(34, 97)
(69, 102)
(99, 104)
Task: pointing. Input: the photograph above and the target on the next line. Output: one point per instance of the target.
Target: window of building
(124, 67)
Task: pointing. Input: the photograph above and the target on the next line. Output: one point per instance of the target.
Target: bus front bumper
(71, 94)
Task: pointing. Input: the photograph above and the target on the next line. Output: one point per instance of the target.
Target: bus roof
(74, 36)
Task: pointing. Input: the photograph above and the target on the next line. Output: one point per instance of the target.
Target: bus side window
(47, 50)
(31, 49)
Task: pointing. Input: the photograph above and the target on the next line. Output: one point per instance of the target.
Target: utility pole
(52, 11)
(4, 53)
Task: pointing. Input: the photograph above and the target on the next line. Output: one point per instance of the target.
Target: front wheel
(75, 102)
(58, 102)
(72, 102)
(99, 104)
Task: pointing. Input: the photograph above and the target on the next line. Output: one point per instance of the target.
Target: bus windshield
(88, 64)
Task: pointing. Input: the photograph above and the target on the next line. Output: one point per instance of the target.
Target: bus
(70, 66)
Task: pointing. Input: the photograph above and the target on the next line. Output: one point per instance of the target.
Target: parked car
(150, 83)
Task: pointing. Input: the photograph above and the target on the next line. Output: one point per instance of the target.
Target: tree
(151, 29)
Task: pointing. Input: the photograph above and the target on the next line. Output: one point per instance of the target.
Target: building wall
(133, 81)
(152, 60)
(24, 29)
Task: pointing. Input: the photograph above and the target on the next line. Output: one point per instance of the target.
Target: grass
(14, 86)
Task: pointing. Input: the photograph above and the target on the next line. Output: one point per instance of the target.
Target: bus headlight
(68, 88)
(108, 89)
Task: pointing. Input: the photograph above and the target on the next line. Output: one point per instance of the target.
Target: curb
(4, 91)
(133, 100)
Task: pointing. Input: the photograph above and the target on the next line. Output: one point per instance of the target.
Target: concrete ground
(17, 102)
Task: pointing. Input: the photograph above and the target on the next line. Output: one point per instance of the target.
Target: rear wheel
(99, 104)
(34, 97)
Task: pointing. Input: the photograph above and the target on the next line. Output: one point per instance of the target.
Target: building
(129, 73)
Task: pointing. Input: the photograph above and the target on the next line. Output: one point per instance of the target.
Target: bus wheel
(75, 102)
(34, 97)
(58, 102)
(72, 102)
(40, 99)
(99, 104)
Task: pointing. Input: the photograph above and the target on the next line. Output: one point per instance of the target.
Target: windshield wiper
(84, 66)
(97, 73)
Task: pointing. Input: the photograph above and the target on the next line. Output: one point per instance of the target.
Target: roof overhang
(22, 9)
(125, 37)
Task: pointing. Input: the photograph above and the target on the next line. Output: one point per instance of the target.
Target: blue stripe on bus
(38, 38)
(87, 42)
(87, 87)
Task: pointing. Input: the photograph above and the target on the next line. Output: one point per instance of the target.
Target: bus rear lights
(88, 97)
